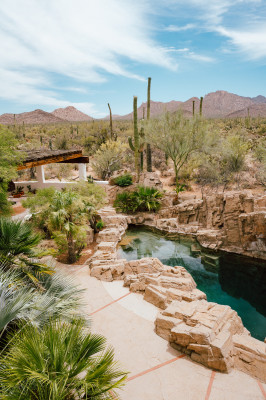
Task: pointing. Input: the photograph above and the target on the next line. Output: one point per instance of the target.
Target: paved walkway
(156, 371)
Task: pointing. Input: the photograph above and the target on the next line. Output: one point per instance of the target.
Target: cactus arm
(130, 142)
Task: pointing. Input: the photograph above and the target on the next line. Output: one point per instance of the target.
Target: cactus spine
(149, 159)
(135, 147)
(193, 107)
(200, 110)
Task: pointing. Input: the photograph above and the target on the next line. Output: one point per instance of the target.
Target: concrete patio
(156, 371)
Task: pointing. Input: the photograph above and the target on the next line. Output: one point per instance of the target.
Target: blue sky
(86, 53)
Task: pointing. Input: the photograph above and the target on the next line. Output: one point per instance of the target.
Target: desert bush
(142, 199)
(123, 180)
(109, 158)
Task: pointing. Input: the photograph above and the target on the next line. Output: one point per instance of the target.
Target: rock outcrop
(233, 221)
(210, 333)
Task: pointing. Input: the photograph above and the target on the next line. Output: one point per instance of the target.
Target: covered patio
(39, 158)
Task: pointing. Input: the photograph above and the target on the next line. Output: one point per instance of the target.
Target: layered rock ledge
(210, 333)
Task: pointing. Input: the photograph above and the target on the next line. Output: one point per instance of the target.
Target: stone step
(109, 235)
(104, 255)
(107, 246)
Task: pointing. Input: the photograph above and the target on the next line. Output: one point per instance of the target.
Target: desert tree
(179, 138)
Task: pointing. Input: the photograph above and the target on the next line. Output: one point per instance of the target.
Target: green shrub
(142, 199)
(123, 180)
(100, 225)
(149, 199)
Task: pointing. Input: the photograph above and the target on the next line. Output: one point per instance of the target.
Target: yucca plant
(63, 361)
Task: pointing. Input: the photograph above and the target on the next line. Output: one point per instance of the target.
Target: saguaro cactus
(149, 157)
(200, 110)
(112, 135)
(135, 147)
(193, 108)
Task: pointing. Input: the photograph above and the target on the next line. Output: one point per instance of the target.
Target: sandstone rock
(204, 330)
(102, 273)
(109, 235)
(145, 265)
(250, 356)
(155, 296)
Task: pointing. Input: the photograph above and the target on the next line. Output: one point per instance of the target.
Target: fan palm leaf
(63, 361)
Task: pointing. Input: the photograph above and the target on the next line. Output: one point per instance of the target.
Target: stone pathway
(156, 371)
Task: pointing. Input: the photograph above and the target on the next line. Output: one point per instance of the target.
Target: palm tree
(18, 243)
(63, 361)
(21, 304)
(68, 216)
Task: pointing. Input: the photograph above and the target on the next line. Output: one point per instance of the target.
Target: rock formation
(210, 333)
(232, 221)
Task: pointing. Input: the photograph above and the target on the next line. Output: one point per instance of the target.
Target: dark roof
(37, 155)
(41, 157)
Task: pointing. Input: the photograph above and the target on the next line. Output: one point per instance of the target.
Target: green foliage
(100, 225)
(62, 361)
(65, 215)
(10, 157)
(109, 158)
(179, 137)
(18, 251)
(180, 187)
(17, 237)
(123, 180)
(234, 150)
(5, 205)
(224, 162)
(142, 199)
(54, 297)
(126, 202)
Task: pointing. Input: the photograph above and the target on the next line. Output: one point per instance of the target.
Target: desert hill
(255, 110)
(219, 104)
(71, 114)
(32, 117)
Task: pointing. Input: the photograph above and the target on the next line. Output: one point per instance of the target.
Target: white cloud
(199, 57)
(248, 18)
(175, 28)
(186, 53)
(81, 40)
(250, 42)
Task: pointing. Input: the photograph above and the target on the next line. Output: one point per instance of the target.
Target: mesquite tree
(178, 137)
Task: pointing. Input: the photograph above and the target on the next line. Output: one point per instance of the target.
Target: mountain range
(219, 104)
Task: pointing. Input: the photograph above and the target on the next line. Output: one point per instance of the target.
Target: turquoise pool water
(239, 282)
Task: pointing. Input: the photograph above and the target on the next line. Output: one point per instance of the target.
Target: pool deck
(156, 371)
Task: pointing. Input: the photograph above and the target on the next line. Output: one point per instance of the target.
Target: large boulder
(203, 330)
